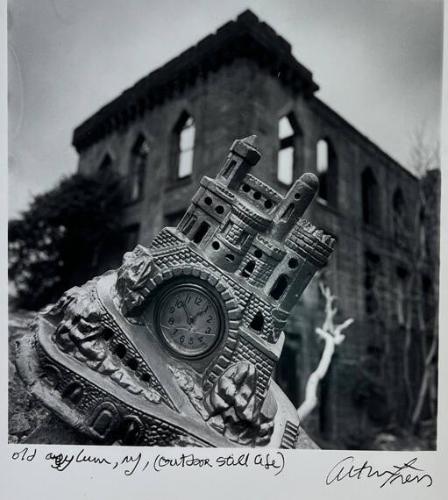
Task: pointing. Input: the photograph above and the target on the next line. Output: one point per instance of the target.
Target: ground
(30, 422)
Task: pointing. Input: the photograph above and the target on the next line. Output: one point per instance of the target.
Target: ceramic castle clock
(179, 344)
(189, 318)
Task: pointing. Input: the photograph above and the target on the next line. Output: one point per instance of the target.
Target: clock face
(189, 319)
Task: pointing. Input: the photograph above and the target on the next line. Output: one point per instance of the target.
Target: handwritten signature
(404, 474)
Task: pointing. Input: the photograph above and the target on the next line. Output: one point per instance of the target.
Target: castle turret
(294, 205)
(242, 157)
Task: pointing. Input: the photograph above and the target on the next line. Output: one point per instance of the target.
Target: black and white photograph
(224, 223)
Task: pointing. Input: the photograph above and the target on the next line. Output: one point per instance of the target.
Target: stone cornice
(246, 37)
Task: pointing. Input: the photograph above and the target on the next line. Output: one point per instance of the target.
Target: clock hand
(189, 318)
(197, 332)
(200, 313)
(167, 327)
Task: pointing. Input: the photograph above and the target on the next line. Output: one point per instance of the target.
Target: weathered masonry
(174, 126)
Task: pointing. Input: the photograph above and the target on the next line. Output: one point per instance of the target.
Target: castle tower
(257, 238)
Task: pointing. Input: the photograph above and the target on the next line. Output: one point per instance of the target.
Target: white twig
(332, 335)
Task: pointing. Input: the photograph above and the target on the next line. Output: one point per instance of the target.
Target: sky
(378, 64)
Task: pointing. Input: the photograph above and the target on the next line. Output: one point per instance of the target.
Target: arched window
(370, 197)
(279, 287)
(424, 242)
(106, 164)
(257, 322)
(288, 132)
(183, 146)
(137, 169)
(398, 211)
(428, 301)
(326, 166)
(248, 269)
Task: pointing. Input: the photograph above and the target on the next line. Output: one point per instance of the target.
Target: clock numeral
(179, 303)
(171, 321)
(209, 330)
(198, 301)
(182, 339)
(187, 299)
(209, 319)
(190, 341)
(201, 339)
(171, 309)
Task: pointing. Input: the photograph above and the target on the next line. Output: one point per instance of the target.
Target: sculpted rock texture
(131, 278)
(235, 409)
(179, 344)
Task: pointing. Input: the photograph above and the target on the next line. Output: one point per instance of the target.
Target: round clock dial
(189, 319)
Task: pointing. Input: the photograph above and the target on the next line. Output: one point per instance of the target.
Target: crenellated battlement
(251, 231)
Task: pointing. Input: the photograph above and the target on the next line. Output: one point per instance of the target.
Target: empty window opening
(189, 224)
(326, 166)
(215, 245)
(268, 204)
(145, 377)
(183, 143)
(248, 269)
(246, 188)
(201, 232)
(120, 350)
(108, 334)
(51, 377)
(229, 169)
(322, 156)
(322, 168)
(219, 209)
(130, 431)
(208, 200)
(133, 364)
(399, 213)
(230, 257)
(425, 246)
(257, 322)
(293, 263)
(243, 238)
(288, 131)
(104, 422)
(370, 197)
(73, 392)
(258, 253)
(279, 287)
(257, 195)
(137, 169)
(287, 213)
(401, 285)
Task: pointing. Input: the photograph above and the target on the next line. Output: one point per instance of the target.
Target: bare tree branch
(332, 336)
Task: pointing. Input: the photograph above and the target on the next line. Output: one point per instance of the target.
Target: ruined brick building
(175, 125)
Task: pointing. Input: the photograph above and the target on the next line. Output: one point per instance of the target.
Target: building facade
(175, 125)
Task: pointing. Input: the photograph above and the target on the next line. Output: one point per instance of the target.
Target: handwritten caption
(273, 461)
(406, 473)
